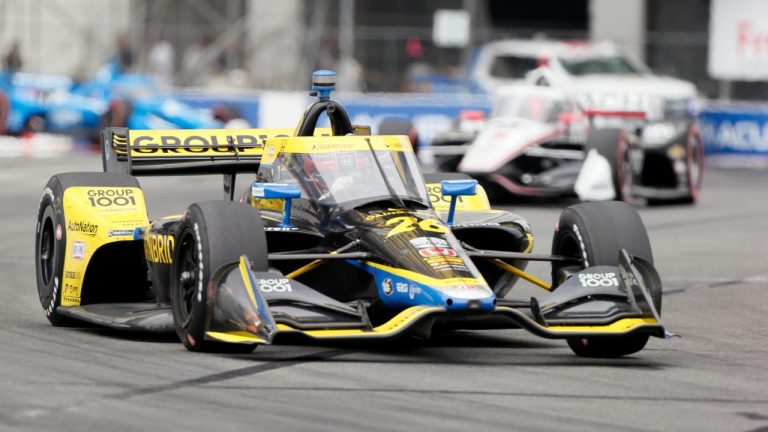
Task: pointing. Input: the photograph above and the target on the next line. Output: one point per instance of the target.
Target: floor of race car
(712, 258)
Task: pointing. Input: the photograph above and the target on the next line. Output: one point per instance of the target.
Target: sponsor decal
(274, 285)
(427, 242)
(389, 212)
(201, 143)
(70, 299)
(411, 290)
(117, 197)
(86, 228)
(598, 279)
(158, 248)
(445, 263)
(58, 232)
(121, 233)
(276, 228)
(78, 250)
(71, 275)
(386, 286)
(437, 251)
(403, 224)
(69, 290)
(401, 287)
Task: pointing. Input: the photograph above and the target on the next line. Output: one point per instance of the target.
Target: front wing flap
(238, 312)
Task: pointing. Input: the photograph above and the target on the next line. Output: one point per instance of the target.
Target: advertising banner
(738, 40)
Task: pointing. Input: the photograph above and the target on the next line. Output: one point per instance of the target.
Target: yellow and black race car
(338, 237)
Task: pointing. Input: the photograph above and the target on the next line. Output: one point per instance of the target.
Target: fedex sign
(738, 40)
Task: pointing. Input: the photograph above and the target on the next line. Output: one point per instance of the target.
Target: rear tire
(211, 234)
(50, 248)
(612, 144)
(595, 232)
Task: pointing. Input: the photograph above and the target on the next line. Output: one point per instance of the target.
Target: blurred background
(275, 45)
(249, 54)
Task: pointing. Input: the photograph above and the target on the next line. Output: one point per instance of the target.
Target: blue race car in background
(52, 103)
(133, 101)
(38, 102)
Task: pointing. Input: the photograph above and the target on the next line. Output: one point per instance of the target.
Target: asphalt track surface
(712, 258)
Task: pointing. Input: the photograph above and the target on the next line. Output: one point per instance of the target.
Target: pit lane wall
(733, 134)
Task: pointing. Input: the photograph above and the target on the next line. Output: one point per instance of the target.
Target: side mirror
(455, 189)
(278, 191)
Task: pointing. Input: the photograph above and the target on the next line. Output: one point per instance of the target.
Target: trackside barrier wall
(735, 134)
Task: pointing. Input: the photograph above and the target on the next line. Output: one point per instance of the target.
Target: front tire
(595, 232)
(694, 164)
(50, 248)
(51, 235)
(210, 235)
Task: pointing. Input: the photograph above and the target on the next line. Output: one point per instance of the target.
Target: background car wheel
(35, 124)
(117, 115)
(211, 234)
(694, 164)
(612, 144)
(5, 110)
(595, 232)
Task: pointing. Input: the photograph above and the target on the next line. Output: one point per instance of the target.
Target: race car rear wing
(184, 152)
(190, 152)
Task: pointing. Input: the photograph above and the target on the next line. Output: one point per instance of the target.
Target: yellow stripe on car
(245, 274)
(235, 337)
(621, 326)
(335, 144)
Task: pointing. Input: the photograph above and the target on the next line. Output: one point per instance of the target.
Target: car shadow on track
(463, 348)
(447, 348)
(127, 335)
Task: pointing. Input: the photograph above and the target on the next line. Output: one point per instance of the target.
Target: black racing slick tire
(612, 144)
(210, 235)
(595, 232)
(51, 235)
(50, 248)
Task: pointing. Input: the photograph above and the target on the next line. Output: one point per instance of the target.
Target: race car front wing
(583, 306)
